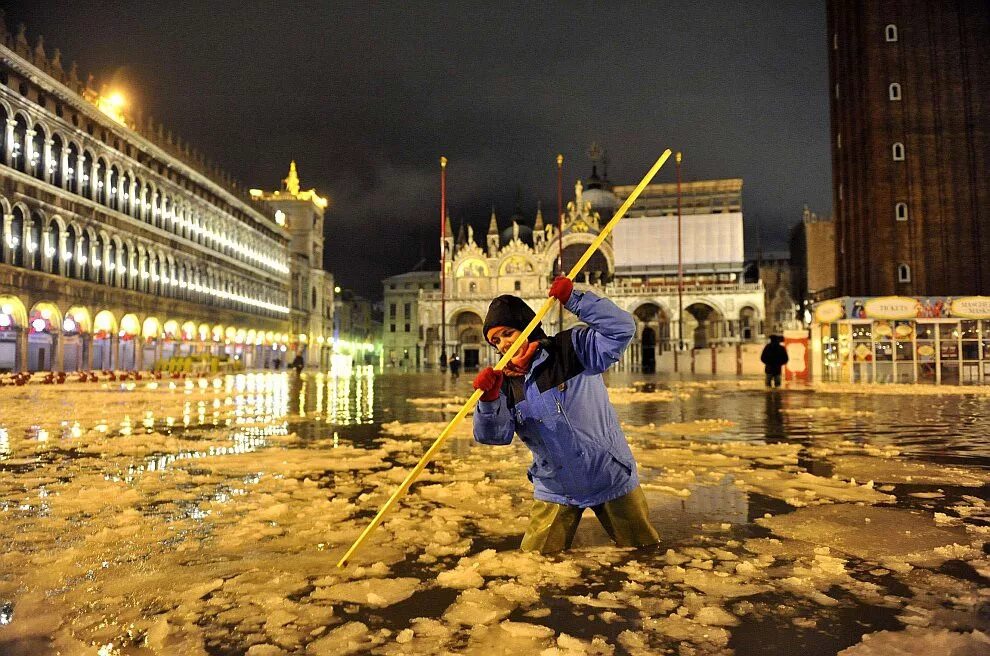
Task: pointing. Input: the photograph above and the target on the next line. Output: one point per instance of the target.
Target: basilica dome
(525, 234)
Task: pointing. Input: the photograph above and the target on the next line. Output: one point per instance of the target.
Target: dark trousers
(626, 520)
(773, 380)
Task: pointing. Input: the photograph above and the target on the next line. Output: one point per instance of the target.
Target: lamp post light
(560, 229)
(443, 264)
(680, 261)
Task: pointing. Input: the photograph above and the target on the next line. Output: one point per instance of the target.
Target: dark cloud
(367, 96)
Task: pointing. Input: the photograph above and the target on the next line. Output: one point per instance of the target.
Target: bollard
(714, 360)
(692, 361)
(738, 359)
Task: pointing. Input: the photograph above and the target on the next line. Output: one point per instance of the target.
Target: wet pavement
(206, 516)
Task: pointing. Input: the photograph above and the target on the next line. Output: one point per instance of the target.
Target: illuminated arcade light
(39, 325)
(69, 325)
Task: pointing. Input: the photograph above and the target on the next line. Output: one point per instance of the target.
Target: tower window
(890, 33)
(897, 150)
(894, 91)
(517, 286)
(901, 211)
(903, 273)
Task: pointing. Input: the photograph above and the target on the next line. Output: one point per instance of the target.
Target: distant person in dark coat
(455, 367)
(774, 356)
(298, 364)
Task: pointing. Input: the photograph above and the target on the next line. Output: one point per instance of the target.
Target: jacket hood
(776, 339)
(512, 312)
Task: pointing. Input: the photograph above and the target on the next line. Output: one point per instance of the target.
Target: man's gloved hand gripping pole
(494, 375)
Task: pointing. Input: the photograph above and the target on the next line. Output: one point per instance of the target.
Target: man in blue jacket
(552, 395)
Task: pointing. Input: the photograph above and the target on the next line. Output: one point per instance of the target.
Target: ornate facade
(119, 245)
(522, 260)
(312, 298)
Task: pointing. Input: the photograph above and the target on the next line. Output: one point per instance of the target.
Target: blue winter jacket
(561, 410)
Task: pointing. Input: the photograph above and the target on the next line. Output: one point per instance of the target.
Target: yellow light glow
(113, 105)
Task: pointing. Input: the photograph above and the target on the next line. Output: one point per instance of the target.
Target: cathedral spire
(292, 181)
(538, 225)
(493, 224)
(448, 231)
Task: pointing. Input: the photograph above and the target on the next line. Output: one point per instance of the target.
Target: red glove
(490, 382)
(561, 289)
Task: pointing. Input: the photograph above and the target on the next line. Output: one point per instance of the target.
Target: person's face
(502, 337)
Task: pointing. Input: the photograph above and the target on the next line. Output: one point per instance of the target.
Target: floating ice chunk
(913, 641)
(892, 534)
(715, 616)
(906, 471)
(475, 607)
(683, 629)
(350, 638)
(370, 592)
(719, 584)
(460, 578)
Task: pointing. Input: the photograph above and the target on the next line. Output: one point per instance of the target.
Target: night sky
(366, 99)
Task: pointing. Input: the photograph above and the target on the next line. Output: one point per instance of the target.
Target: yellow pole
(414, 474)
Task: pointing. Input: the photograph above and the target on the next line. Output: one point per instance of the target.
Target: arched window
(15, 238)
(17, 158)
(55, 163)
(4, 146)
(96, 264)
(71, 164)
(53, 251)
(127, 194)
(33, 258)
(901, 211)
(113, 193)
(36, 164)
(903, 273)
(86, 184)
(69, 253)
(110, 266)
(894, 91)
(890, 33)
(897, 151)
(122, 267)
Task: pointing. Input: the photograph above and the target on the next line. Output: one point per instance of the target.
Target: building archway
(654, 332)
(44, 326)
(748, 324)
(151, 331)
(470, 341)
(104, 337)
(13, 321)
(130, 328)
(76, 327)
(702, 324)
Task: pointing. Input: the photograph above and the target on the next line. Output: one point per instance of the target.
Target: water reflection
(347, 400)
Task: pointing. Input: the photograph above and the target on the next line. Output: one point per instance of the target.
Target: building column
(58, 351)
(46, 158)
(63, 166)
(114, 351)
(138, 352)
(80, 171)
(21, 357)
(5, 248)
(8, 138)
(86, 363)
(27, 148)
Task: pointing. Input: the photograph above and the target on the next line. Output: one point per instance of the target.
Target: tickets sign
(891, 307)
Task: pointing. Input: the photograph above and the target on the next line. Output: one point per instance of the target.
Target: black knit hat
(512, 312)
